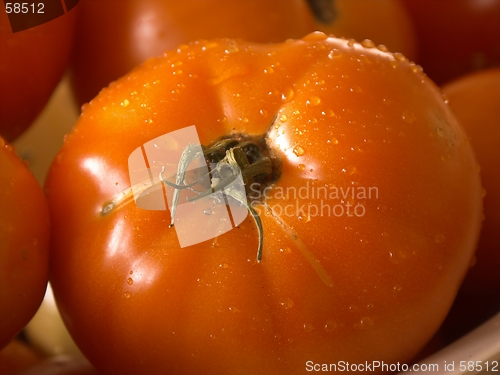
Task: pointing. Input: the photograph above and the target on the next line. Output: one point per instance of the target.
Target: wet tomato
(24, 244)
(364, 203)
(475, 100)
(32, 63)
(106, 50)
(384, 22)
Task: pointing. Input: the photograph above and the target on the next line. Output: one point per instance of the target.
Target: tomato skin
(24, 244)
(373, 287)
(456, 37)
(475, 99)
(32, 62)
(17, 356)
(106, 50)
(384, 22)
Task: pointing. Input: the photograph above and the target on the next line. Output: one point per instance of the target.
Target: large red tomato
(24, 244)
(475, 99)
(140, 29)
(456, 37)
(32, 62)
(367, 191)
(384, 22)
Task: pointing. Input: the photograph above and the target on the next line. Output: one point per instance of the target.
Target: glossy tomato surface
(32, 62)
(105, 50)
(475, 99)
(456, 37)
(370, 213)
(24, 244)
(384, 22)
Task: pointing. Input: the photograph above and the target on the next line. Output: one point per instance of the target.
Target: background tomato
(32, 62)
(17, 356)
(24, 244)
(141, 29)
(375, 286)
(384, 22)
(456, 36)
(475, 99)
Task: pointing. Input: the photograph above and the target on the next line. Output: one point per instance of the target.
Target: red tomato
(367, 190)
(384, 22)
(17, 356)
(475, 99)
(24, 244)
(456, 37)
(144, 28)
(32, 62)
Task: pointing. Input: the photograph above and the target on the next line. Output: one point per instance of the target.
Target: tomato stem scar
(231, 158)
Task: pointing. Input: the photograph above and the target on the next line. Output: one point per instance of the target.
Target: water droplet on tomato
(232, 48)
(313, 101)
(298, 151)
(408, 117)
(130, 281)
(301, 167)
(126, 294)
(283, 118)
(285, 250)
(334, 54)
(367, 43)
(287, 303)
(364, 322)
(315, 36)
(399, 57)
(330, 326)
(382, 48)
(308, 327)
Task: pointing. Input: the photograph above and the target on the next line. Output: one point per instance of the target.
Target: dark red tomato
(475, 99)
(456, 37)
(384, 22)
(24, 244)
(116, 35)
(367, 190)
(32, 62)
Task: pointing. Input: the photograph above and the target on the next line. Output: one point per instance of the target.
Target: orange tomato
(116, 35)
(384, 22)
(475, 99)
(24, 244)
(32, 62)
(364, 192)
(456, 37)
